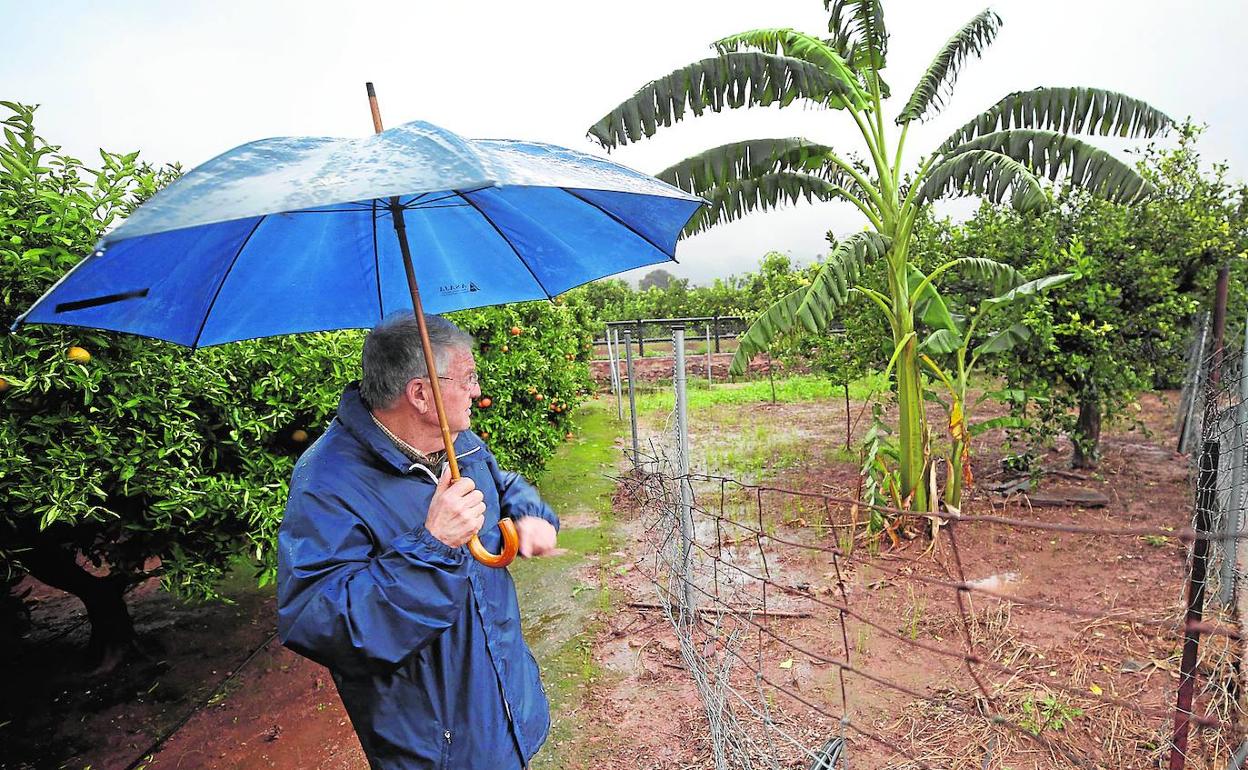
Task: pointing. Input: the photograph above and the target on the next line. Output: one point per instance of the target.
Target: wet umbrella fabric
(294, 235)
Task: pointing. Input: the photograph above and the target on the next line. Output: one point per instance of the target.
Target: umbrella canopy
(311, 234)
(297, 234)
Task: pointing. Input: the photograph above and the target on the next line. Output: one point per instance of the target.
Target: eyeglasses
(471, 379)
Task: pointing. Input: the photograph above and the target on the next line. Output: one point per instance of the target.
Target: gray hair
(393, 355)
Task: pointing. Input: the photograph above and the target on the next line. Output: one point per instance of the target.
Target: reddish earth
(1110, 674)
(641, 709)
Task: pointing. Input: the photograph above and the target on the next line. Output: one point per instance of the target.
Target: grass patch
(563, 612)
(788, 390)
(756, 453)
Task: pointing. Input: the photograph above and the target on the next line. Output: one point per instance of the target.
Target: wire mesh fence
(812, 647)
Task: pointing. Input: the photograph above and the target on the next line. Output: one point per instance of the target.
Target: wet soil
(1090, 674)
(627, 699)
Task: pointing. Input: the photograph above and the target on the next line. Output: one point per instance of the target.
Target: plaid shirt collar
(431, 461)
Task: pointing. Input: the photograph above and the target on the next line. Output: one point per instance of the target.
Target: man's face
(459, 390)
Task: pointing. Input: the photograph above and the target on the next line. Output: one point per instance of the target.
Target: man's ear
(417, 395)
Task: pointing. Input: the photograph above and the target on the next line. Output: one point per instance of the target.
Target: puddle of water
(1004, 583)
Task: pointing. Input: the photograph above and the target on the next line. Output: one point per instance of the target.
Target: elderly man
(374, 583)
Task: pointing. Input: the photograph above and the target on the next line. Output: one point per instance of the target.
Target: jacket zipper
(446, 750)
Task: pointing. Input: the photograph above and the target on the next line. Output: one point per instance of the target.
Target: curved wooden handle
(511, 544)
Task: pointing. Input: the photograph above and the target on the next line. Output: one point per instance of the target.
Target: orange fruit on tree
(299, 435)
(78, 355)
(515, 331)
(569, 436)
(484, 403)
(539, 397)
(4, 384)
(484, 434)
(505, 348)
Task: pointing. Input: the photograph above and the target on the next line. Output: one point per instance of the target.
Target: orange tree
(123, 459)
(532, 361)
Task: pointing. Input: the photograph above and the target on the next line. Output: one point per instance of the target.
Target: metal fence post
(632, 399)
(1206, 499)
(715, 324)
(682, 469)
(1194, 384)
(709, 379)
(641, 340)
(619, 386)
(615, 373)
(1206, 508)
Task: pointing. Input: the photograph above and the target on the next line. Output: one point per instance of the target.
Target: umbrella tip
(369, 88)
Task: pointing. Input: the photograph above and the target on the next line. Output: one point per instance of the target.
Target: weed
(861, 641)
(914, 614)
(1049, 712)
(1156, 541)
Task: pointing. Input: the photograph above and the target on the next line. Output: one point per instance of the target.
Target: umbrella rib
(425, 204)
(224, 278)
(324, 211)
(506, 240)
(619, 222)
(381, 306)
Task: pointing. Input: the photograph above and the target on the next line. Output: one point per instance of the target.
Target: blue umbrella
(302, 234)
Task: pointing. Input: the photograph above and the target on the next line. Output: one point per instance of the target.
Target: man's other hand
(456, 511)
(537, 536)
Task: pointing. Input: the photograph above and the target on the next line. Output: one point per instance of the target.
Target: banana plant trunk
(912, 428)
(953, 484)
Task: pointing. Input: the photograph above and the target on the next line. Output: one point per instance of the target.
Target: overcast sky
(184, 81)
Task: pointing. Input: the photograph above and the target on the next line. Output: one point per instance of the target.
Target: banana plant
(1002, 155)
(953, 339)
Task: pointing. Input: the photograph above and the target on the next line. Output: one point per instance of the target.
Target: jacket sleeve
(517, 497)
(355, 606)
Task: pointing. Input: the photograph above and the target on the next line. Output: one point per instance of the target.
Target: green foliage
(814, 302)
(612, 299)
(937, 82)
(1066, 110)
(144, 449)
(728, 81)
(547, 359)
(1145, 269)
(1047, 713)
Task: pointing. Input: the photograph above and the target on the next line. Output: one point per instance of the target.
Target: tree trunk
(1087, 435)
(849, 424)
(112, 629)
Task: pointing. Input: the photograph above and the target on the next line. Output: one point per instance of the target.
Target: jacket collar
(357, 420)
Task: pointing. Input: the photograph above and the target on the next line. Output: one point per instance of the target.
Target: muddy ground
(1094, 689)
(1095, 686)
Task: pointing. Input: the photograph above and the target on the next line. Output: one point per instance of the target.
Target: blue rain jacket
(423, 642)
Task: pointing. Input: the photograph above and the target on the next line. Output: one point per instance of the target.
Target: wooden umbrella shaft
(400, 229)
(511, 540)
